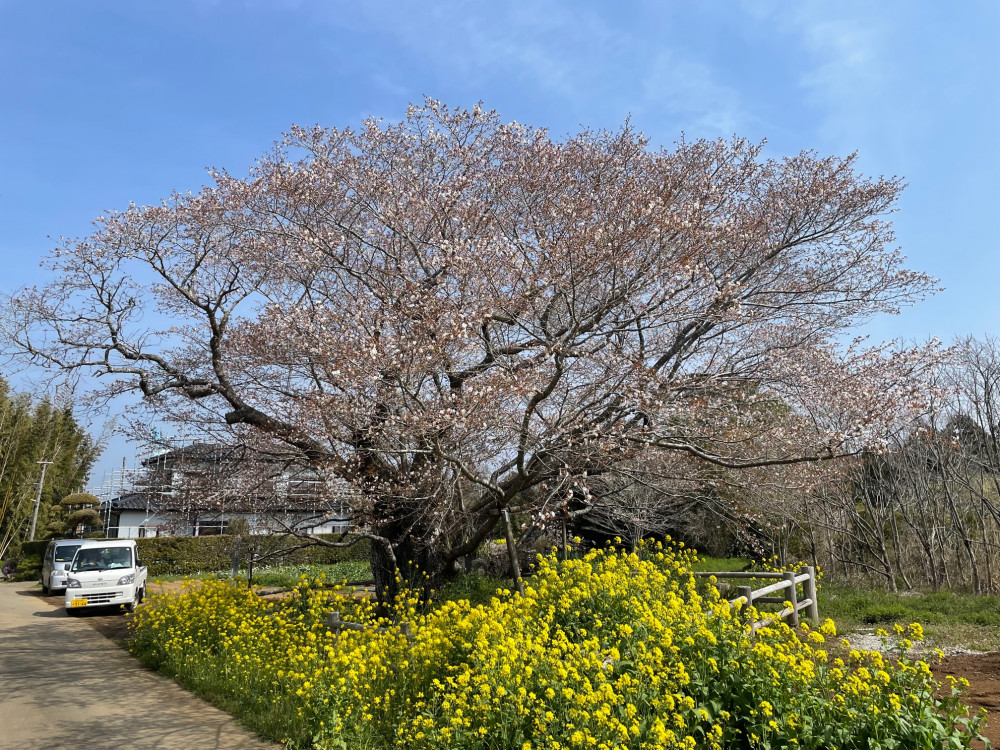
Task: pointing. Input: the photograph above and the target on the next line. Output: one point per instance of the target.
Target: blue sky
(102, 103)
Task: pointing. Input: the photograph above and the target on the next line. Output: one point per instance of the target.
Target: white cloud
(846, 54)
(687, 90)
(847, 72)
(562, 49)
(597, 62)
(580, 56)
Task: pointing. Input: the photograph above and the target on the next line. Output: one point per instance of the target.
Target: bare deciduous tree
(926, 510)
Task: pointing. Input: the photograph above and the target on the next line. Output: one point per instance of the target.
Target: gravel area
(868, 641)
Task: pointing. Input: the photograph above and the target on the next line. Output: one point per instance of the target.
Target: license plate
(78, 603)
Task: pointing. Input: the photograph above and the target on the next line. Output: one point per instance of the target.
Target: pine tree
(76, 515)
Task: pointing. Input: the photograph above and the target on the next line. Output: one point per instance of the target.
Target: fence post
(404, 628)
(333, 622)
(793, 596)
(515, 567)
(809, 589)
(745, 611)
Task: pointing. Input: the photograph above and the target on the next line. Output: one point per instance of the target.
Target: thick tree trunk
(384, 572)
(405, 564)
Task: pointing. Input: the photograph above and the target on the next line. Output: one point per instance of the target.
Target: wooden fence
(335, 624)
(747, 598)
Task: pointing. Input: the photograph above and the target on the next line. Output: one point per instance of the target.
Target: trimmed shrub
(186, 555)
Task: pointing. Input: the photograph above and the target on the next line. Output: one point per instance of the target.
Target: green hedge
(184, 555)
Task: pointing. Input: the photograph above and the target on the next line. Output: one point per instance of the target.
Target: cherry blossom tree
(461, 316)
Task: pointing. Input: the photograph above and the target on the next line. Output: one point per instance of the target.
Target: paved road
(64, 685)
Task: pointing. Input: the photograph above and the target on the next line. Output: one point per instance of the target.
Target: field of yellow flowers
(614, 650)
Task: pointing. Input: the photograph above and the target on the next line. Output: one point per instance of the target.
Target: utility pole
(38, 497)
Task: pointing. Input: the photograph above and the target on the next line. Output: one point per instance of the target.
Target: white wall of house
(136, 524)
(267, 524)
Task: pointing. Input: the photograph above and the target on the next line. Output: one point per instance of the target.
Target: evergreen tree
(31, 432)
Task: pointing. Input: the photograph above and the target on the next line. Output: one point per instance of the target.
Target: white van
(55, 563)
(105, 573)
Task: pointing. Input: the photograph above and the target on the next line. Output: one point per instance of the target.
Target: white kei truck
(105, 573)
(55, 564)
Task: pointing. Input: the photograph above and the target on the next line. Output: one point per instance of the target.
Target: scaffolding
(114, 484)
(184, 487)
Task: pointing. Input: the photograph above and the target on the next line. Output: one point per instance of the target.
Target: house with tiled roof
(200, 489)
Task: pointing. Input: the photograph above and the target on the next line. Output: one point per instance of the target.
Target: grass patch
(720, 564)
(950, 619)
(286, 576)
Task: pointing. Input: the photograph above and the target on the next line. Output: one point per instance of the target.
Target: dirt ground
(110, 623)
(983, 673)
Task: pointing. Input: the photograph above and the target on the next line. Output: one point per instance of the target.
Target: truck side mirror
(66, 566)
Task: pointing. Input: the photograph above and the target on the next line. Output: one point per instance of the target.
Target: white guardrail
(747, 598)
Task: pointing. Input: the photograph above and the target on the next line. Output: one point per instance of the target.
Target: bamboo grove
(31, 431)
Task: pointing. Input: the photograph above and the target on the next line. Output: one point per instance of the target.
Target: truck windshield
(65, 552)
(102, 558)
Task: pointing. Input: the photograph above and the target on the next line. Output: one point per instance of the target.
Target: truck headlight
(73, 583)
(126, 580)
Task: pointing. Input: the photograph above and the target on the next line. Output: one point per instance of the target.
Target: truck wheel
(45, 590)
(72, 612)
(130, 607)
(142, 595)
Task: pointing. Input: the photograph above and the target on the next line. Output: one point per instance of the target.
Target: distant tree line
(925, 512)
(920, 512)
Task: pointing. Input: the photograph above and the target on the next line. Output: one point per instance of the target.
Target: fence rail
(789, 582)
(335, 624)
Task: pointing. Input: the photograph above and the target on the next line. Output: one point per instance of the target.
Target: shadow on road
(116, 612)
(66, 686)
(60, 612)
(110, 621)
